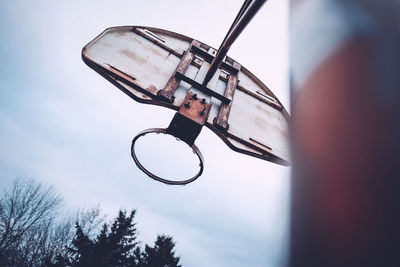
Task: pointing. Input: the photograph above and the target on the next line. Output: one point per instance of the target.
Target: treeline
(34, 233)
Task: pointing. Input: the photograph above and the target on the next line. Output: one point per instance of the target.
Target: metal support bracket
(221, 121)
(191, 117)
(202, 88)
(167, 94)
(209, 58)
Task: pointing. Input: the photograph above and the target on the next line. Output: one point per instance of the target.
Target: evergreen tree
(162, 254)
(102, 247)
(82, 250)
(114, 247)
(139, 259)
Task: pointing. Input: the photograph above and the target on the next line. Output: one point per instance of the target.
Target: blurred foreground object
(345, 61)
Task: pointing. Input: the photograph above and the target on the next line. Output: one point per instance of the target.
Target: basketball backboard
(155, 66)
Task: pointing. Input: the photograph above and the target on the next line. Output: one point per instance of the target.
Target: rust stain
(120, 33)
(273, 115)
(154, 51)
(145, 96)
(156, 68)
(284, 133)
(152, 89)
(195, 108)
(261, 123)
(136, 38)
(132, 56)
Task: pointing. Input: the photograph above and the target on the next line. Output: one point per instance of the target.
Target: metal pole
(239, 15)
(231, 37)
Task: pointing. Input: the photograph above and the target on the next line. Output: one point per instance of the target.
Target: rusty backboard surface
(156, 66)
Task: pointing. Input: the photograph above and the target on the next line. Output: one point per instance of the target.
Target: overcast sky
(63, 124)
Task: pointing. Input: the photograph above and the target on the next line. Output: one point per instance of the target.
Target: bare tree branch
(30, 205)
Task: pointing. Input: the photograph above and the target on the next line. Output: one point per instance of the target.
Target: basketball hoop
(159, 67)
(152, 175)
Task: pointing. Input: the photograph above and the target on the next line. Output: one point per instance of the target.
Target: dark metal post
(233, 34)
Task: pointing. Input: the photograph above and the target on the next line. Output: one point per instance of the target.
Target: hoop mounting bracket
(191, 117)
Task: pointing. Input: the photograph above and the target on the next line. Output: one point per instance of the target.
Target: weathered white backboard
(159, 67)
